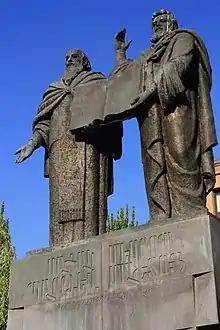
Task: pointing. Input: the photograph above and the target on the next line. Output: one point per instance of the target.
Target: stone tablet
(123, 89)
(88, 104)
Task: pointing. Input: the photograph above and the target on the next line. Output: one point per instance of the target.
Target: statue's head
(163, 22)
(78, 60)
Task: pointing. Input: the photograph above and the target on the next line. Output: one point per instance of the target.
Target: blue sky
(35, 36)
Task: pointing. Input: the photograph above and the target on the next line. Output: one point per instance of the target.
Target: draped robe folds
(80, 172)
(177, 128)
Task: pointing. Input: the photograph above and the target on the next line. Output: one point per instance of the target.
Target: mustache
(158, 28)
(72, 63)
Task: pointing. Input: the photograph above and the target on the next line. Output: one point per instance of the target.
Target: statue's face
(73, 58)
(160, 25)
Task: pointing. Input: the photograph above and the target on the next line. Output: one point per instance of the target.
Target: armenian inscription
(143, 259)
(70, 215)
(67, 277)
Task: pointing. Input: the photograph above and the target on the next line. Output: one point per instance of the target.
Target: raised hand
(24, 152)
(121, 46)
(120, 43)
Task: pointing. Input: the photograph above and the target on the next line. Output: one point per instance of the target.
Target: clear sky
(35, 36)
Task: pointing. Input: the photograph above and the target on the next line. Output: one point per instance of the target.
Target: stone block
(163, 270)
(152, 277)
(163, 304)
(168, 251)
(206, 309)
(15, 319)
(78, 315)
(57, 276)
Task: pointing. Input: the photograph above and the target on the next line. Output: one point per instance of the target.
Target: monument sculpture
(175, 117)
(79, 166)
(164, 274)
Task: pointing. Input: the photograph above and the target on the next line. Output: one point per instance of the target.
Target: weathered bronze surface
(175, 117)
(79, 165)
(79, 123)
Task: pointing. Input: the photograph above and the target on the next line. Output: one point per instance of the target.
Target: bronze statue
(79, 165)
(79, 123)
(175, 117)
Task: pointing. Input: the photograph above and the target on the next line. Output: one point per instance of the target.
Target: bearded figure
(80, 165)
(175, 118)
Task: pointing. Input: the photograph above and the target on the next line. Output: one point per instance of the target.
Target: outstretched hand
(24, 152)
(120, 43)
(143, 98)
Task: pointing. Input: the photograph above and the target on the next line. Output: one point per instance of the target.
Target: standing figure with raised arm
(175, 118)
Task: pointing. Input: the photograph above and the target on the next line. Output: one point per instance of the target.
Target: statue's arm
(27, 150)
(39, 137)
(36, 140)
(121, 48)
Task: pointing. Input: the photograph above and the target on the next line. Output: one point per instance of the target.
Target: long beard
(71, 72)
(157, 36)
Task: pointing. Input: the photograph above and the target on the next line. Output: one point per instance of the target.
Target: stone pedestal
(163, 277)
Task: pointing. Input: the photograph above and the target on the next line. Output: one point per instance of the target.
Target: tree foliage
(122, 220)
(6, 255)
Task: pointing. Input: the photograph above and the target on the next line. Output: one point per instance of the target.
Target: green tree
(6, 255)
(122, 219)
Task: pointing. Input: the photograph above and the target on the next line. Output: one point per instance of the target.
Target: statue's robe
(79, 166)
(177, 128)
